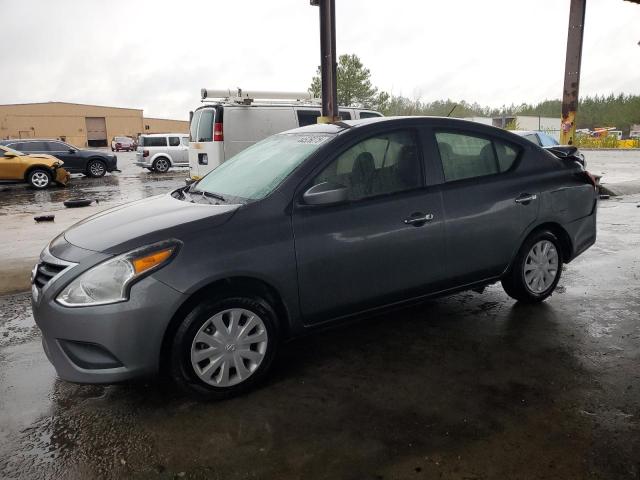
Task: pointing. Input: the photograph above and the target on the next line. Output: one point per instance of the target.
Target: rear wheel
(161, 165)
(39, 178)
(96, 168)
(536, 270)
(224, 347)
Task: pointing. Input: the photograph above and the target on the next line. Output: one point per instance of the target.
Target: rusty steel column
(572, 72)
(328, 62)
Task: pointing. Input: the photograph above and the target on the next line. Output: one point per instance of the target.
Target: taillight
(217, 132)
(145, 153)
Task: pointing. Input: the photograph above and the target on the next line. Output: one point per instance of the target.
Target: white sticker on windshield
(312, 139)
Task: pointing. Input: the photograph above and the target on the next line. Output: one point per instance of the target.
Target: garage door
(96, 131)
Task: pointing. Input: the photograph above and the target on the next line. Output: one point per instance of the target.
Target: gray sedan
(307, 227)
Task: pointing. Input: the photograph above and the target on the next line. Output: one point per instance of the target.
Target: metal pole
(572, 72)
(328, 65)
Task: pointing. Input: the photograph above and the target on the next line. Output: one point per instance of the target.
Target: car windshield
(255, 172)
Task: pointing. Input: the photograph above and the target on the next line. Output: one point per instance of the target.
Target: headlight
(109, 281)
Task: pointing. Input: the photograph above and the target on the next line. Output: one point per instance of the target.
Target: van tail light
(217, 132)
(145, 153)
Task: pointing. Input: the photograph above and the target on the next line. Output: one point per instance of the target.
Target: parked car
(160, 151)
(92, 163)
(223, 128)
(306, 227)
(548, 142)
(123, 144)
(539, 138)
(40, 171)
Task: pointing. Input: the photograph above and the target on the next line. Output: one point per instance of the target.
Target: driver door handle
(418, 219)
(526, 198)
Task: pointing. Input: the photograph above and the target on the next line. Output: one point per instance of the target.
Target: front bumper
(112, 164)
(107, 343)
(62, 176)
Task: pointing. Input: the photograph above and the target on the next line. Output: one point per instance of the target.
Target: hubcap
(229, 347)
(541, 266)
(96, 168)
(162, 165)
(40, 179)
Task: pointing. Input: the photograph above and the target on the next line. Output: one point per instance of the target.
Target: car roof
(22, 140)
(399, 120)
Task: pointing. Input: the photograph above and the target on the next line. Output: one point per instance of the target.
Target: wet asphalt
(472, 386)
(132, 183)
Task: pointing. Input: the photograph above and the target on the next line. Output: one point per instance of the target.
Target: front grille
(45, 271)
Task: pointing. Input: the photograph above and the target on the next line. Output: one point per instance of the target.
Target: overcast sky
(156, 55)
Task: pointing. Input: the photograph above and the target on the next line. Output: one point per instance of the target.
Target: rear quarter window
(154, 141)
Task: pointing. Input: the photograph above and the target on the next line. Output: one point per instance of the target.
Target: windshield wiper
(204, 193)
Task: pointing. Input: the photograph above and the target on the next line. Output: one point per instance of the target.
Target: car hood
(152, 219)
(45, 157)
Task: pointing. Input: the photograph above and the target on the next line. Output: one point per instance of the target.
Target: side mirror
(10, 155)
(326, 193)
(72, 150)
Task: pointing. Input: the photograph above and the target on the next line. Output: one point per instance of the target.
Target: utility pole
(572, 72)
(328, 64)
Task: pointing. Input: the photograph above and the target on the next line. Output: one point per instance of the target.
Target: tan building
(79, 124)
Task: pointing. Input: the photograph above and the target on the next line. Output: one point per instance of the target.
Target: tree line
(355, 89)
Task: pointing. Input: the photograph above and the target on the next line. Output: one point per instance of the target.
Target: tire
(39, 178)
(78, 202)
(254, 359)
(96, 168)
(528, 280)
(161, 165)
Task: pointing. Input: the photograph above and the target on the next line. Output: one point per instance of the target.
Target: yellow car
(40, 171)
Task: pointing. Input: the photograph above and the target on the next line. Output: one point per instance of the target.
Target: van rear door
(205, 146)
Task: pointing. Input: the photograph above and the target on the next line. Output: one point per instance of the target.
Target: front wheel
(536, 270)
(96, 168)
(39, 178)
(224, 347)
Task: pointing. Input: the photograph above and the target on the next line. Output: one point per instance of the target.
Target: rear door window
(154, 141)
(193, 128)
(465, 155)
(57, 147)
(205, 126)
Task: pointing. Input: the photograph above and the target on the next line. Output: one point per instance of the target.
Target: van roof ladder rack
(244, 97)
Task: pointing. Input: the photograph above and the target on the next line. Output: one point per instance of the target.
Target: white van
(159, 152)
(228, 124)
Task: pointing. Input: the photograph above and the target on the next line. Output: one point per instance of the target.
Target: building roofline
(169, 119)
(67, 103)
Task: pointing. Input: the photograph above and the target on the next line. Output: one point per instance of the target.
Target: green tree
(354, 84)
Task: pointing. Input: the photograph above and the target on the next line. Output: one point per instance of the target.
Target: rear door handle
(418, 219)
(526, 198)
